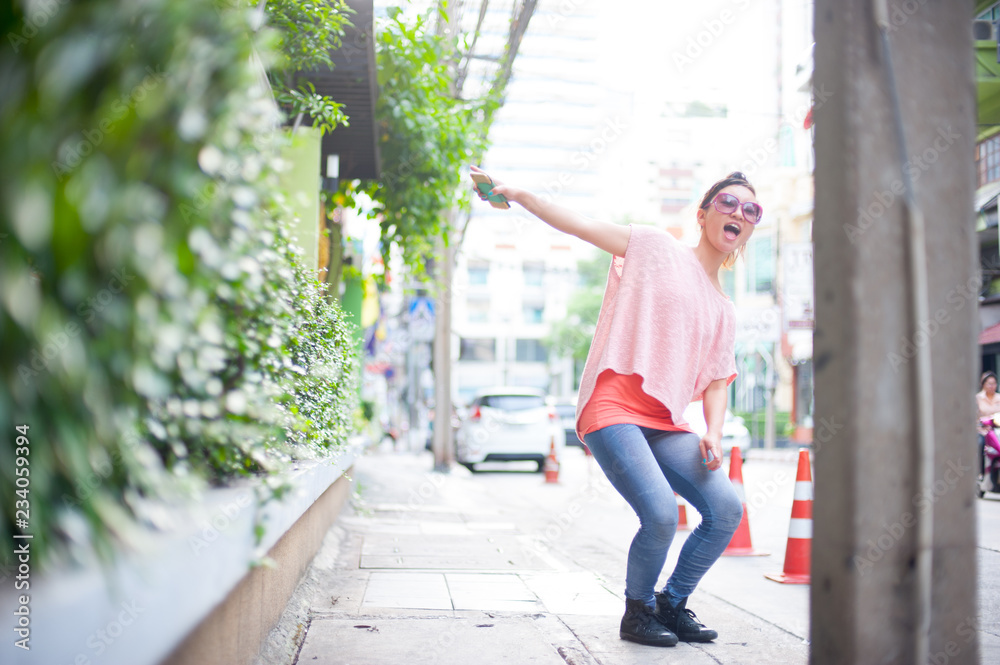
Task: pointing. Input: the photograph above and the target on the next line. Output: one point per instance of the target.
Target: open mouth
(732, 231)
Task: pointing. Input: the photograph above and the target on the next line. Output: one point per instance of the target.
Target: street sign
(758, 324)
(797, 285)
(422, 319)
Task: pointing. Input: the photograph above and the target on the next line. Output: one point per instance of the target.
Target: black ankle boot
(682, 621)
(641, 625)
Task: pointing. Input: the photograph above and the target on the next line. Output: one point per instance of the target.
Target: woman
(987, 403)
(665, 337)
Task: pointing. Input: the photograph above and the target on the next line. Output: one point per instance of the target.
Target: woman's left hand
(711, 451)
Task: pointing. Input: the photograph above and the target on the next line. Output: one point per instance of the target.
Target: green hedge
(158, 331)
(783, 427)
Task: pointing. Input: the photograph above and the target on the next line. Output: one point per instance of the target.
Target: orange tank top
(618, 399)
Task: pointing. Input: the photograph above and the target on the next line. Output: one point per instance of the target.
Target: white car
(566, 410)
(508, 424)
(734, 431)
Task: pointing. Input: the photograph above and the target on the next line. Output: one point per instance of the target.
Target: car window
(513, 402)
(565, 410)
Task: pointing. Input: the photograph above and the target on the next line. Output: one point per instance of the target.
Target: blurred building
(987, 56)
(514, 275)
(635, 130)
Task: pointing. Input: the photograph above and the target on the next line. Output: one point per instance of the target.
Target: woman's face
(727, 232)
(990, 385)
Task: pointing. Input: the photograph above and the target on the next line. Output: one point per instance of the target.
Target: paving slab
(439, 641)
(575, 593)
(449, 551)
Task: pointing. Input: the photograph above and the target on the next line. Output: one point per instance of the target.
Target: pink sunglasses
(726, 203)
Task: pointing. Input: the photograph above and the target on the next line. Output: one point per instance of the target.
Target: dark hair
(734, 178)
(986, 375)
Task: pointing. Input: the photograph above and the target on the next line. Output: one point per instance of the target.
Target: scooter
(989, 480)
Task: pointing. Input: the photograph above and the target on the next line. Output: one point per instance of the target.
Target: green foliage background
(571, 337)
(427, 136)
(309, 31)
(158, 332)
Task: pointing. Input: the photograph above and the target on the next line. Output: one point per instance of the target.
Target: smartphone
(485, 185)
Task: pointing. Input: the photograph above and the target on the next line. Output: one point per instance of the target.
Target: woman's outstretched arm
(610, 237)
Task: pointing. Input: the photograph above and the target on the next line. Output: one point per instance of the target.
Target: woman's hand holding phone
(487, 188)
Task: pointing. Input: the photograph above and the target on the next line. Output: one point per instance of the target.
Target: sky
(645, 62)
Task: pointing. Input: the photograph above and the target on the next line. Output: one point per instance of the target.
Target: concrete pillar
(868, 500)
(443, 442)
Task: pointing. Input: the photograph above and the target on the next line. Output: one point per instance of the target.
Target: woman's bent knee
(726, 512)
(661, 527)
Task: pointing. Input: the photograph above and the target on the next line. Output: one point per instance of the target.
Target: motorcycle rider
(987, 403)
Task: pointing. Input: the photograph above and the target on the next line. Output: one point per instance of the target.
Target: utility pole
(521, 13)
(894, 560)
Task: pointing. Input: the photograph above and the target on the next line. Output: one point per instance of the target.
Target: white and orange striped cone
(799, 550)
(740, 545)
(552, 464)
(682, 515)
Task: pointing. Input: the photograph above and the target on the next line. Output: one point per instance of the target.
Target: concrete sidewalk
(503, 568)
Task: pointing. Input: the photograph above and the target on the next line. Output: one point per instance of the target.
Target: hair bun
(737, 175)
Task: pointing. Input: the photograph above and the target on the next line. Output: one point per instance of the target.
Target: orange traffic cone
(740, 544)
(682, 515)
(552, 464)
(799, 549)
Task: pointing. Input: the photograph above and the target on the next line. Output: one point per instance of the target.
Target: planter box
(151, 605)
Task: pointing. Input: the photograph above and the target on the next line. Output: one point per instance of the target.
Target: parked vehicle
(566, 410)
(508, 424)
(989, 479)
(734, 430)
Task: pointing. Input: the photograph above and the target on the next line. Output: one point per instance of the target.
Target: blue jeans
(647, 466)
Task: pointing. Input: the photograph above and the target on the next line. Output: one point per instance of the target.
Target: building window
(762, 264)
(478, 349)
(988, 160)
(533, 313)
(531, 351)
(534, 272)
(728, 280)
(479, 272)
(478, 310)
(786, 143)
(991, 14)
